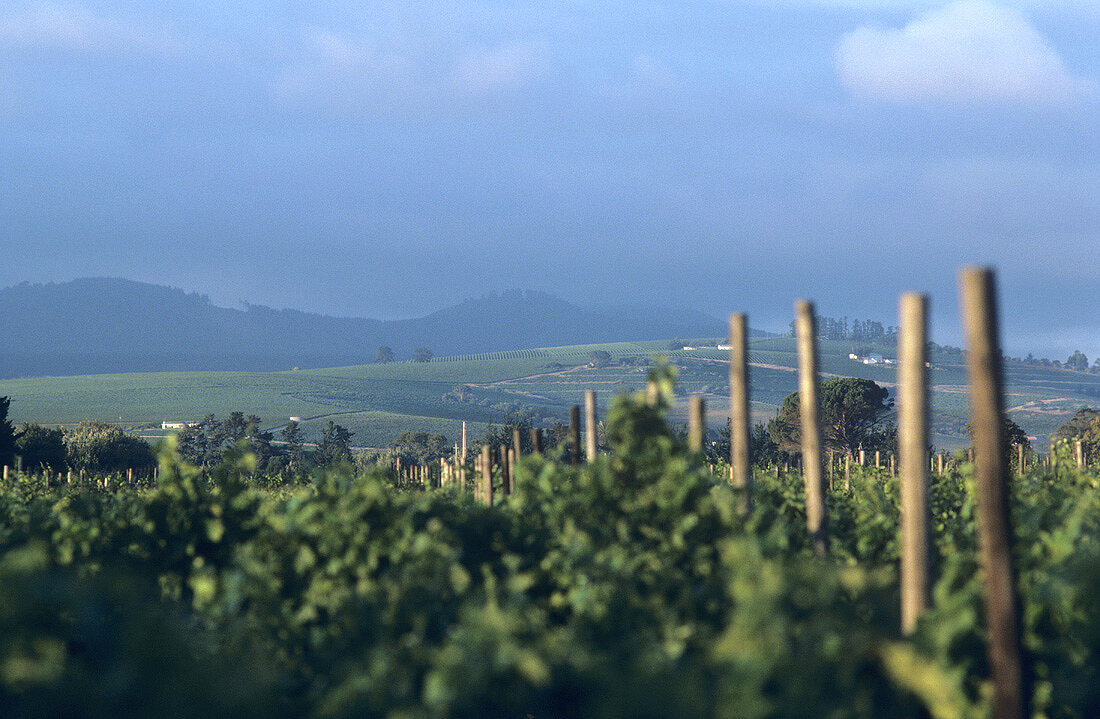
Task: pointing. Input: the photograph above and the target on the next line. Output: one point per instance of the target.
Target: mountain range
(106, 325)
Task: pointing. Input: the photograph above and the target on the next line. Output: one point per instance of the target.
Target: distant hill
(98, 325)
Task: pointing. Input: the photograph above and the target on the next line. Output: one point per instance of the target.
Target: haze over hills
(100, 325)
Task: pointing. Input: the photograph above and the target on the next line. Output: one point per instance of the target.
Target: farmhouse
(175, 425)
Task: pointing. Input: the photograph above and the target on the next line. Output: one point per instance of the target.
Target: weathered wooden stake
(505, 469)
(812, 476)
(893, 465)
(939, 462)
(877, 459)
(740, 461)
(697, 424)
(536, 440)
(832, 461)
(1080, 455)
(574, 434)
(5, 473)
(589, 425)
(512, 460)
(847, 471)
(1020, 467)
(1010, 691)
(517, 445)
(486, 476)
(862, 458)
(916, 529)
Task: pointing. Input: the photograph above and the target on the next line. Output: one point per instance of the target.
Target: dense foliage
(628, 587)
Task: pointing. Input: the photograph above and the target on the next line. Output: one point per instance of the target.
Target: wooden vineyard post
(740, 461)
(878, 458)
(574, 434)
(697, 427)
(816, 518)
(916, 519)
(589, 425)
(486, 476)
(862, 458)
(5, 473)
(893, 465)
(536, 440)
(847, 471)
(979, 304)
(939, 463)
(517, 445)
(1020, 467)
(505, 466)
(1080, 455)
(832, 462)
(512, 455)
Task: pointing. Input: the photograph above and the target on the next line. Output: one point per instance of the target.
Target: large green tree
(384, 354)
(335, 445)
(7, 434)
(103, 447)
(855, 414)
(41, 446)
(420, 447)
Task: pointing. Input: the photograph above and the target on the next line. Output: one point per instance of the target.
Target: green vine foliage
(631, 586)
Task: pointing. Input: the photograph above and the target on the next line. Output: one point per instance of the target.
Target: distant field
(379, 401)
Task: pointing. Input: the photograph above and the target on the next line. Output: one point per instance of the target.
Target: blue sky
(388, 158)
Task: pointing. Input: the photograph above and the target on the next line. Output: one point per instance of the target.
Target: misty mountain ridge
(106, 325)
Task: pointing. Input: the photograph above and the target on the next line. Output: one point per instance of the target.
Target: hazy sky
(388, 158)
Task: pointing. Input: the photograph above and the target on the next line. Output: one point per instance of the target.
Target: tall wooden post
(1020, 467)
(847, 471)
(916, 518)
(697, 426)
(589, 425)
(812, 475)
(1010, 690)
(862, 457)
(1080, 455)
(486, 476)
(536, 440)
(517, 445)
(505, 467)
(878, 458)
(740, 461)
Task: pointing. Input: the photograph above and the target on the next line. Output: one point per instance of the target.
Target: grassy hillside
(379, 401)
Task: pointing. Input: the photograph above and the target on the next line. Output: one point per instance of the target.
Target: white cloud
(75, 28)
(501, 67)
(360, 70)
(970, 51)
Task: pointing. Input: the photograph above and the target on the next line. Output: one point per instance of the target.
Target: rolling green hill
(379, 401)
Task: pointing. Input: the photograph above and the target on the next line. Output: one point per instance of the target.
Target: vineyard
(628, 586)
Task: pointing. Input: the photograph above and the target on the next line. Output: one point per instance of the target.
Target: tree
(599, 358)
(1078, 361)
(422, 354)
(7, 434)
(335, 446)
(853, 416)
(383, 355)
(103, 447)
(1076, 425)
(763, 451)
(292, 437)
(420, 447)
(41, 446)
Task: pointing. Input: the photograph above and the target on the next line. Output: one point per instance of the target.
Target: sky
(386, 159)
